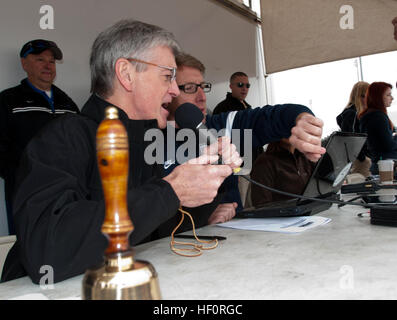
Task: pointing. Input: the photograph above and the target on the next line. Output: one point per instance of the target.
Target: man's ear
(125, 73)
(23, 63)
(230, 86)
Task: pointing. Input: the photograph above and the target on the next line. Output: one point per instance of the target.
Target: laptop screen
(331, 170)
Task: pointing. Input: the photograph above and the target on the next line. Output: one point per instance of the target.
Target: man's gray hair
(125, 39)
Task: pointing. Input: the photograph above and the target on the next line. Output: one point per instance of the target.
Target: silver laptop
(324, 183)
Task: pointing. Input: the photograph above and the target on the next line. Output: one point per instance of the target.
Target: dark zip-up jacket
(24, 111)
(230, 104)
(267, 124)
(59, 205)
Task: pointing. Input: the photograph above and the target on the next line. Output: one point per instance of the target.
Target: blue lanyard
(50, 100)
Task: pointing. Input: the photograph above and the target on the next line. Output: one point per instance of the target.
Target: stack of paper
(284, 225)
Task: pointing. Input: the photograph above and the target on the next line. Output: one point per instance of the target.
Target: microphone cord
(340, 202)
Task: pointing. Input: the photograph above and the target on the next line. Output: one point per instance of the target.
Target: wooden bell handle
(112, 156)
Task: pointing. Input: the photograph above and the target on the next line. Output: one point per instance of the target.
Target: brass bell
(120, 277)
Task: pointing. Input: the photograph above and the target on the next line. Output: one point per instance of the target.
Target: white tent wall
(307, 32)
(222, 39)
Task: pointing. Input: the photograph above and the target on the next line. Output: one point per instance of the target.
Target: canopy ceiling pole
(360, 66)
(262, 61)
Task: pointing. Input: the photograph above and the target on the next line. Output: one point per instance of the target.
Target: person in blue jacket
(269, 123)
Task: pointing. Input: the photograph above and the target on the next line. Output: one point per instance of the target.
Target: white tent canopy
(307, 32)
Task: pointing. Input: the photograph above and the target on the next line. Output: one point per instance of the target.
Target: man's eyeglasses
(170, 77)
(242, 84)
(192, 87)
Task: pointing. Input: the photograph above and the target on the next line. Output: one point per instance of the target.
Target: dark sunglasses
(241, 84)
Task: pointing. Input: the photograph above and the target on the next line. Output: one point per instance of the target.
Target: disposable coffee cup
(386, 171)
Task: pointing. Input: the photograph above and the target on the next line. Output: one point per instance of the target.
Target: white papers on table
(284, 224)
(31, 296)
(40, 296)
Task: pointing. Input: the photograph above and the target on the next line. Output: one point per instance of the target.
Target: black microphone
(189, 116)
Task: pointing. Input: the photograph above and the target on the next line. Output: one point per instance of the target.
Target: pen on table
(364, 214)
(188, 236)
(306, 224)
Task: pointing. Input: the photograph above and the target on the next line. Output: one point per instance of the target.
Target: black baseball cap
(38, 46)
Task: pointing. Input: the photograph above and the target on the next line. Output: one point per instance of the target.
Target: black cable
(350, 200)
(366, 205)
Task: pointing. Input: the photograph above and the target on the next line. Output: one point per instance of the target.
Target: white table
(348, 258)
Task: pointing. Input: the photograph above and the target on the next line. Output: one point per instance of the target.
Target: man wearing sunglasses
(270, 123)
(235, 100)
(26, 108)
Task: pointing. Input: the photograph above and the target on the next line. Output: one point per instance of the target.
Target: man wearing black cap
(26, 108)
